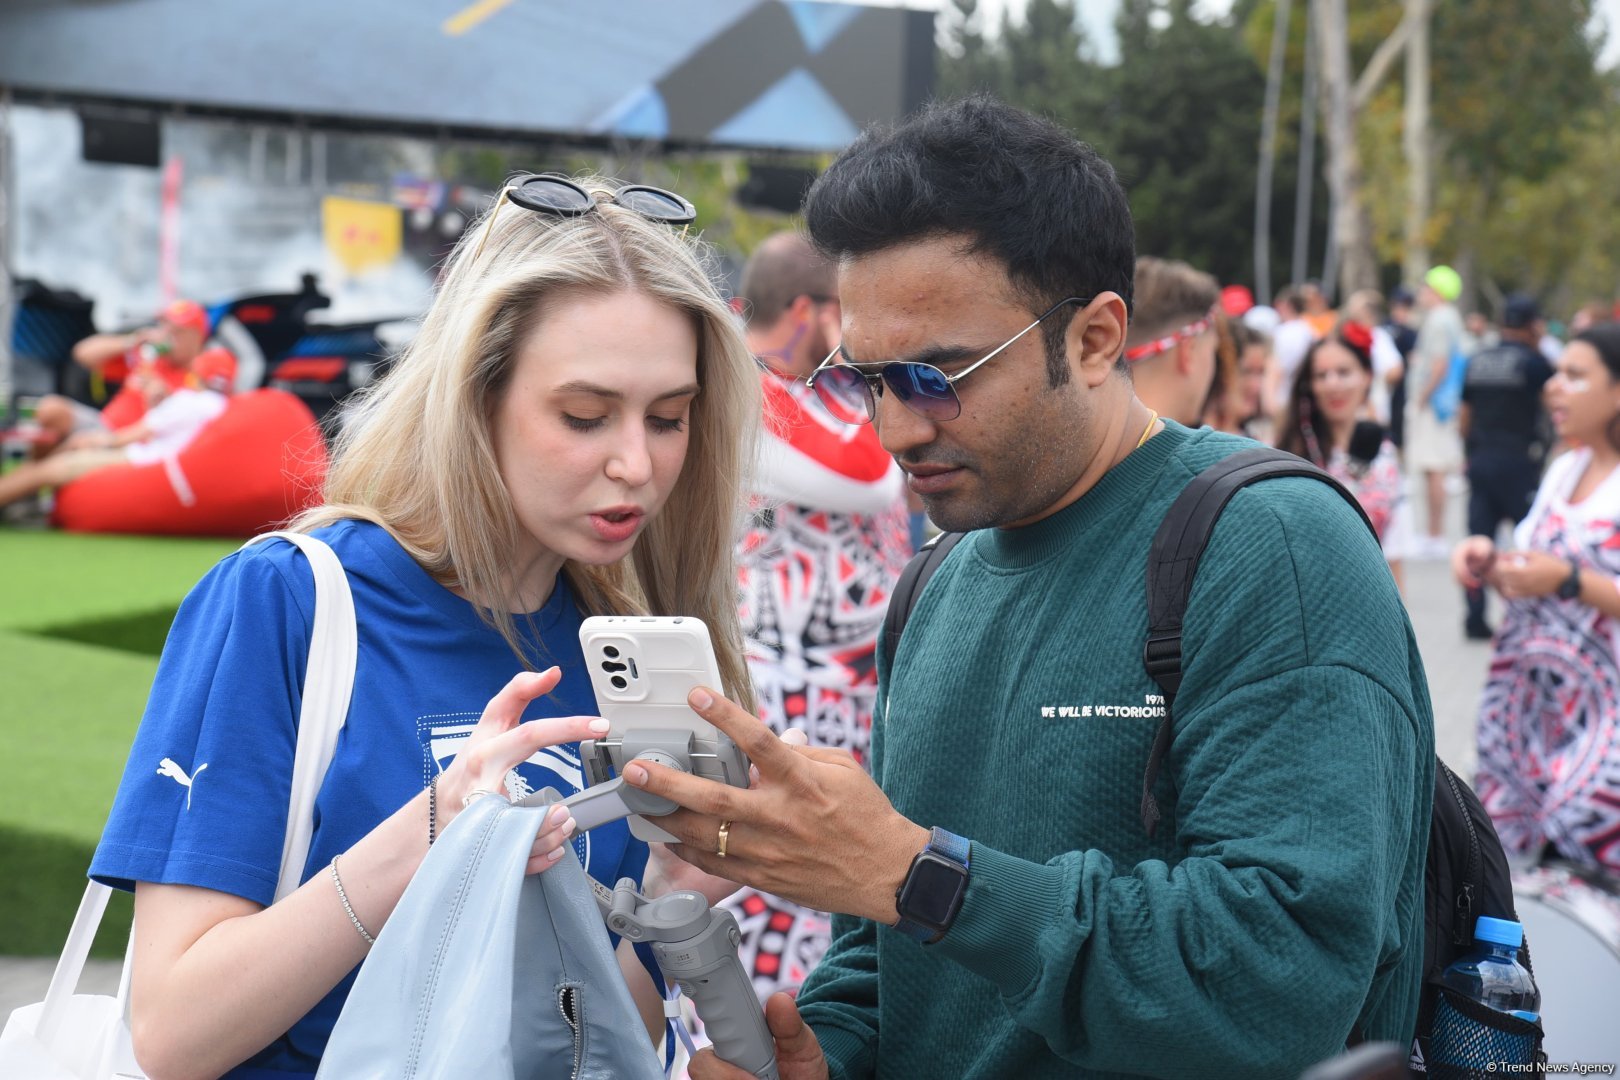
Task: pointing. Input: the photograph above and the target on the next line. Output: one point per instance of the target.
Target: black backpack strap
(1173, 562)
(910, 586)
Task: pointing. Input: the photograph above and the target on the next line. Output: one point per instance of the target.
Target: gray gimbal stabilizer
(696, 946)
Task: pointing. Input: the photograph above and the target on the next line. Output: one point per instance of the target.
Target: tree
(1185, 105)
(1513, 79)
(1178, 117)
(1351, 231)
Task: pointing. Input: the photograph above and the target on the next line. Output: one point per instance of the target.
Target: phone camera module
(610, 652)
(618, 682)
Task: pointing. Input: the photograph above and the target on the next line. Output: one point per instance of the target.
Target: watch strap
(953, 847)
(1570, 587)
(949, 846)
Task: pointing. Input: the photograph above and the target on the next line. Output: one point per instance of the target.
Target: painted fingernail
(569, 826)
(558, 816)
(599, 726)
(554, 854)
(635, 774)
(700, 698)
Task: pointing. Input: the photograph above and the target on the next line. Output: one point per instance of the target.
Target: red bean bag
(259, 463)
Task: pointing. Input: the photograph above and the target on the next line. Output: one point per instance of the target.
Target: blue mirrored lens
(922, 389)
(844, 391)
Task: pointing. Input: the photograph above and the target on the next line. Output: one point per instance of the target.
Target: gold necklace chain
(1153, 418)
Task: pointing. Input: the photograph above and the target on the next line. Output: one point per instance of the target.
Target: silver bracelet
(476, 793)
(344, 897)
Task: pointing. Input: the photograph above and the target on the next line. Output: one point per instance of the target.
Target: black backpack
(1466, 873)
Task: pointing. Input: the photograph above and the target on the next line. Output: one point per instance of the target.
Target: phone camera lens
(618, 682)
(610, 651)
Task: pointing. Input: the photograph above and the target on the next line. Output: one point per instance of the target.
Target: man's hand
(815, 829)
(798, 1055)
(667, 873)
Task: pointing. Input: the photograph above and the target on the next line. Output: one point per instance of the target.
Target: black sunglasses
(551, 193)
(850, 393)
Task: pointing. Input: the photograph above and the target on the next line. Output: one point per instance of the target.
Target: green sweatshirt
(1282, 899)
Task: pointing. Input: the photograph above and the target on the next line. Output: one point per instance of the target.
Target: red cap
(186, 313)
(1236, 299)
(216, 369)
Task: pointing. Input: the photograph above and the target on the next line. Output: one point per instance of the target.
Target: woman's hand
(667, 872)
(1526, 574)
(502, 741)
(1471, 561)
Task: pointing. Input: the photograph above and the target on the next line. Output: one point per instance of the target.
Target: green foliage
(1523, 128)
(1509, 77)
(1558, 234)
(1179, 118)
(1184, 134)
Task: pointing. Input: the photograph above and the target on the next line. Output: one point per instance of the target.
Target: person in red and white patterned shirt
(825, 543)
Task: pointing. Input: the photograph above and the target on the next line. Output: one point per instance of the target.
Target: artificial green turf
(68, 717)
(41, 889)
(81, 621)
(54, 578)
(143, 632)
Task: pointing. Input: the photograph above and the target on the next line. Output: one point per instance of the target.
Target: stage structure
(770, 78)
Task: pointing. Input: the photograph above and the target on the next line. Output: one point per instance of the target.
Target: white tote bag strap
(328, 683)
(65, 979)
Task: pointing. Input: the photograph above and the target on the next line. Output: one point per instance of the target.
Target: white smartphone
(642, 667)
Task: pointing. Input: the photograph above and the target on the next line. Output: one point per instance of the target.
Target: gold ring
(725, 835)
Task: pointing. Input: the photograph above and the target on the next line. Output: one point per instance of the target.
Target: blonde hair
(418, 458)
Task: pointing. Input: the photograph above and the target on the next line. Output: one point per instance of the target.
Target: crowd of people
(940, 859)
(1422, 399)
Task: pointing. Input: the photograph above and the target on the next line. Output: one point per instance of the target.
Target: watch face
(932, 891)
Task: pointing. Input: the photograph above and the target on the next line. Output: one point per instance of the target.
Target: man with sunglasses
(1005, 913)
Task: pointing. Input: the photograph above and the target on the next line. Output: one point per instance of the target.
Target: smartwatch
(932, 892)
(1570, 587)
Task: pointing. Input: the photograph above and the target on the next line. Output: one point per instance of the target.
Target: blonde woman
(565, 437)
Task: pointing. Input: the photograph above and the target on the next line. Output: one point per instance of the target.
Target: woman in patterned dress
(1329, 397)
(1549, 724)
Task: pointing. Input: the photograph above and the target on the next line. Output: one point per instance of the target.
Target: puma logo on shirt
(167, 767)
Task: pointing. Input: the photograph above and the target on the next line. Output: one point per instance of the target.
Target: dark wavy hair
(1022, 189)
(1299, 435)
(1605, 340)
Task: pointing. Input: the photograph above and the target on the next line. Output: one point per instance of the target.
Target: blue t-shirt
(204, 796)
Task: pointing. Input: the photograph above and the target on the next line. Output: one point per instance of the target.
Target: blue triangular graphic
(820, 23)
(643, 116)
(795, 114)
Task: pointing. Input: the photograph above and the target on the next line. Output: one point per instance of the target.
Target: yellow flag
(363, 235)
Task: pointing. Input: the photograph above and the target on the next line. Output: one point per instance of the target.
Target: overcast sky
(1098, 16)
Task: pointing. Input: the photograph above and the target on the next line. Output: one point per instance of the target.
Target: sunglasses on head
(1170, 340)
(851, 392)
(550, 193)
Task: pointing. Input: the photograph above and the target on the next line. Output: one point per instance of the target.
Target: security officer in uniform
(1500, 421)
